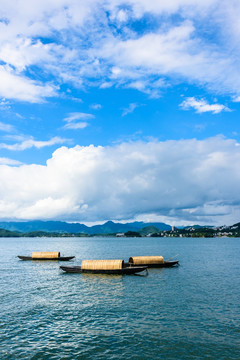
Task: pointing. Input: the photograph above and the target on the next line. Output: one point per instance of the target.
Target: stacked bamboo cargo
(45, 254)
(142, 260)
(102, 264)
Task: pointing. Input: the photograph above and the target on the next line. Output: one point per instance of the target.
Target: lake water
(188, 312)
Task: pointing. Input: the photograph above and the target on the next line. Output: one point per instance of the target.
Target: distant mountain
(109, 227)
(138, 228)
(160, 226)
(148, 230)
(235, 226)
(7, 233)
(196, 227)
(48, 226)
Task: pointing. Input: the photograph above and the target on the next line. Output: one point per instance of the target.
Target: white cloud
(75, 126)
(176, 52)
(130, 109)
(72, 124)
(17, 87)
(201, 106)
(7, 161)
(187, 180)
(6, 127)
(23, 52)
(31, 143)
(4, 104)
(158, 7)
(78, 116)
(236, 99)
(74, 42)
(106, 85)
(96, 106)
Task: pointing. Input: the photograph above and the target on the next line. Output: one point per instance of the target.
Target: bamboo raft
(114, 267)
(46, 255)
(151, 261)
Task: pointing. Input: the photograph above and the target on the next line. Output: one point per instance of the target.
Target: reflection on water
(187, 312)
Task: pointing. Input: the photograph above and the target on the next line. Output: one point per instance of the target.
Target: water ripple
(189, 312)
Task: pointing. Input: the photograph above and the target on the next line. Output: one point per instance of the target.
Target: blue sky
(120, 110)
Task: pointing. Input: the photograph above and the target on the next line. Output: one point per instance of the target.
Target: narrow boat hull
(170, 263)
(163, 265)
(125, 271)
(61, 258)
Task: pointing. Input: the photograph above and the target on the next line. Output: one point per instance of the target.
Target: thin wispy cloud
(19, 87)
(78, 116)
(16, 137)
(202, 106)
(6, 127)
(4, 105)
(10, 162)
(236, 99)
(96, 106)
(31, 143)
(123, 58)
(74, 124)
(130, 109)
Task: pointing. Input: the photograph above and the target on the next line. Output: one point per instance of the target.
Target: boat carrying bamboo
(102, 264)
(151, 261)
(45, 254)
(114, 267)
(141, 260)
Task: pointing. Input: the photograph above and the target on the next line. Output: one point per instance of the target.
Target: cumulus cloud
(188, 180)
(202, 106)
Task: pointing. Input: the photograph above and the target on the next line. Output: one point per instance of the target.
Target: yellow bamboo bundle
(45, 255)
(141, 260)
(102, 264)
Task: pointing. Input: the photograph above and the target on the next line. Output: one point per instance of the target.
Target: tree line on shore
(147, 231)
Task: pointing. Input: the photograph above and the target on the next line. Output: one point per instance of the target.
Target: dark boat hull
(163, 265)
(125, 271)
(61, 258)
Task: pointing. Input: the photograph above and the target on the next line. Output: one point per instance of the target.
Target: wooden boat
(128, 270)
(151, 261)
(55, 255)
(165, 264)
(114, 267)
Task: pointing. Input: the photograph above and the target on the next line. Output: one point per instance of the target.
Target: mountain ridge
(61, 227)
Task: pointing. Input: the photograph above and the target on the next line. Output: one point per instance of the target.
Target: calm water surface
(188, 312)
